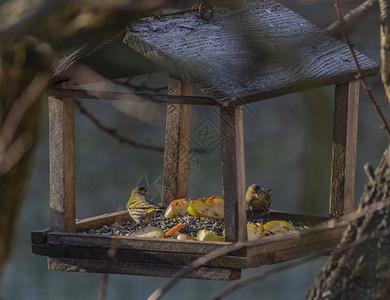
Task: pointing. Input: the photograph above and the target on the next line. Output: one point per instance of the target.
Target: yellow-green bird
(258, 200)
(139, 208)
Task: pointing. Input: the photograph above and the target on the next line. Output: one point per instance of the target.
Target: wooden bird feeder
(256, 51)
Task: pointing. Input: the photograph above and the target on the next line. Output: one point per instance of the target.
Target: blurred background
(287, 148)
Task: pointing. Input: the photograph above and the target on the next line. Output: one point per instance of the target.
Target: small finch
(258, 200)
(139, 208)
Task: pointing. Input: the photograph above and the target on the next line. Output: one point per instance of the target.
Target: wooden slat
(57, 251)
(126, 255)
(177, 144)
(62, 163)
(233, 173)
(257, 51)
(344, 149)
(101, 220)
(132, 97)
(294, 245)
(39, 236)
(147, 244)
(96, 266)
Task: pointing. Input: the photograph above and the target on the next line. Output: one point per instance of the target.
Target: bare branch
(15, 152)
(111, 255)
(11, 152)
(360, 76)
(260, 276)
(113, 132)
(353, 19)
(240, 245)
(263, 275)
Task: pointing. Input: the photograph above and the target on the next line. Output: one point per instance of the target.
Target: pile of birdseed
(191, 225)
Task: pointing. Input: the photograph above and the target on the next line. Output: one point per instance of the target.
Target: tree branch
(113, 132)
(12, 151)
(353, 19)
(360, 76)
(362, 212)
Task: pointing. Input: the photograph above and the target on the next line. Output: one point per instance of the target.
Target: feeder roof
(255, 51)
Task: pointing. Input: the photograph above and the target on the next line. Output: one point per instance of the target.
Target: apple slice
(210, 208)
(278, 227)
(176, 208)
(206, 235)
(184, 236)
(149, 232)
(254, 231)
(174, 230)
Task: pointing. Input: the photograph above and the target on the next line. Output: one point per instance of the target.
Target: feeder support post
(233, 173)
(342, 186)
(177, 144)
(62, 163)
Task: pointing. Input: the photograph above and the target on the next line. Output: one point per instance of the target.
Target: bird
(139, 208)
(258, 200)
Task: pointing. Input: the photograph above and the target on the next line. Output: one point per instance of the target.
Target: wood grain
(146, 244)
(62, 163)
(96, 266)
(257, 51)
(101, 220)
(132, 97)
(177, 144)
(344, 149)
(270, 250)
(293, 245)
(39, 236)
(233, 173)
(127, 255)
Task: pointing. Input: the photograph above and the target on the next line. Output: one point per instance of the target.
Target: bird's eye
(142, 189)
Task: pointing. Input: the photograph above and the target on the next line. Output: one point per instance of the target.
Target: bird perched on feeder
(258, 200)
(139, 208)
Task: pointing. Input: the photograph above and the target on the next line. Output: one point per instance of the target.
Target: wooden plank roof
(257, 51)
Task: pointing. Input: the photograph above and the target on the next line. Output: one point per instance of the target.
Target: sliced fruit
(176, 208)
(277, 227)
(184, 236)
(210, 208)
(206, 235)
(149, 232)
(255, 231)
(175, 229)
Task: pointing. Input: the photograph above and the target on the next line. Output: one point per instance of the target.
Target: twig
(353, 18)
(122, 139)
(240, 245)
(114, 133)
(11, 152)
(103, 287)
(262, 275)
(360, 73)
(111, 255)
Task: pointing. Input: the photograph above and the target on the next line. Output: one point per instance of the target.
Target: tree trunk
(361, 272)
(14, 77)
(384, 6)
